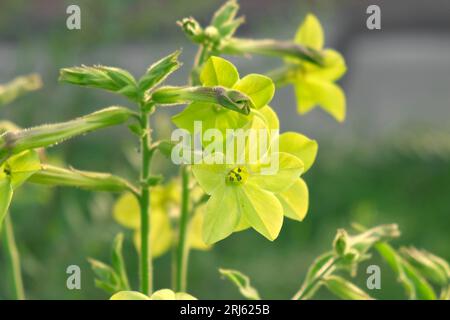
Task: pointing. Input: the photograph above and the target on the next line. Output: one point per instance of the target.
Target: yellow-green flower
(220, 72)
(315, 85)
(164, 206)
(163, 294)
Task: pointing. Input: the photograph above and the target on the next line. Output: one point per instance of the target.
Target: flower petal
(219, 72)
(196, 111)
(195, 230)
(261, 209)
(126, 211)
(295, 200)
(310, 33)
(289, 169)
(210, 176)
(326, 94)
(259, 88)
(300, 146)
(129, 295)
(222, 214)
(333, 69)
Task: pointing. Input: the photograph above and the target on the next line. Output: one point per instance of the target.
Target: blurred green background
(389, 162)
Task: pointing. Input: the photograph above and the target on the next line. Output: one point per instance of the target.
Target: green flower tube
(43, 136)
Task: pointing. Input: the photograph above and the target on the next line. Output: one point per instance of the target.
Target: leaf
(415, 285)
(6, 193)
(129, 295)
(345, 289)
(300, 146)
(222, 214)
(259, 88)
(18, 87)
(310, 33)
(159, 71)
(261, 209)
(295, 200)
(219, 72)
(118, 262)
(242, 282)
(328, 95)
(106, 277)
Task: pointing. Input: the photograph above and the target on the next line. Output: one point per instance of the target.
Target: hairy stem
(146, 267)
(183, 250)
(312, 285)
(13, 258)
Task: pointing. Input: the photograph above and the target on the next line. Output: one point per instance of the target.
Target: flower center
(237, 176)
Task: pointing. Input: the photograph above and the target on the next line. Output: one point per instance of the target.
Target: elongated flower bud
(18, 87)
(227, 98)
(97, 181)
(47, 135)
(272, 48)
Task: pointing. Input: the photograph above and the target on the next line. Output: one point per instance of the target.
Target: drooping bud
(192, 29)
(340, 243)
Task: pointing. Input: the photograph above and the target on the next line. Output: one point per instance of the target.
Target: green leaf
(106, 277)
(159, 71)
(242, 282)
(295, 200)
(261, 209)
(129, 295)
(222, 214)
(300, 146)
(6, 193)
(219, 72)
(118, 262)
(345, 289)
(310, 33)
(329, 96)
(102, 77)
(18, 87)
(259, 88)
(415, 285)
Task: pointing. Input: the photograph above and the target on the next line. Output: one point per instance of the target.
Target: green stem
(146, 267)
(312, 285)
(13, 258)
(182, 249)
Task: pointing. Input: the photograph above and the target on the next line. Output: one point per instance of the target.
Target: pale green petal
(210, 176)
(195, 237)
(22, 166)
(126, 211)
(289, 169)
(261, 209)
(219, 72)
(6, 193)
(184, 296)
(333, 69)
(259, 88)
(295, 200)
(305, 97)
(326, 94)
(310, 33)
(163, 294)
(243, 225)
(196, 111)
(129, 295)
(222, 214)
(300, 146)
(271, 117)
